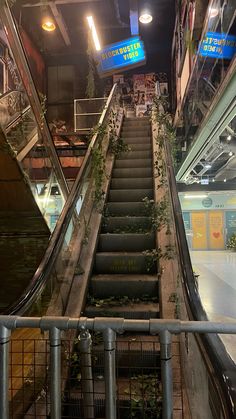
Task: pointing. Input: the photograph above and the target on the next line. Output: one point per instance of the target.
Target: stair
(122, 284)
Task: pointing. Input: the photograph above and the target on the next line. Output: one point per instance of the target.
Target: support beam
(133, 17)
(60, 23)
(47, 3)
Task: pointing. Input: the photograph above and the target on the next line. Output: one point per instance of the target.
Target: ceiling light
(213, 180)
(231, 153)
(48, 24)
(195, 196)
(94, 33)
(145, 18)
(207, 165)
(213, 12)
(224, 180)
(145, 14)
(229, 138)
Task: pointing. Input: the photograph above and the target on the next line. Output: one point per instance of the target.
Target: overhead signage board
(126, 54)
(218, 45)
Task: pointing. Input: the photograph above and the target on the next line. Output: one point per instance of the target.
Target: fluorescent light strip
(194, 196)
(94, 33)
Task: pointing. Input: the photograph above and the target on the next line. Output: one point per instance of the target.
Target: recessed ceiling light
(229, 137)
(145, 18)
(207, 165)
(48, 24)
(224, 180)
(213, 180)
(230, 153)
(214, 11)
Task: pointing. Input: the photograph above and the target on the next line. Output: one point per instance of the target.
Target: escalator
(122, 274)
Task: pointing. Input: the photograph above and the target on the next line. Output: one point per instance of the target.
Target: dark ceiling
(112, 21)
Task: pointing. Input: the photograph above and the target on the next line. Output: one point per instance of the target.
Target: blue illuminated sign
(127, 53)
(218, 45)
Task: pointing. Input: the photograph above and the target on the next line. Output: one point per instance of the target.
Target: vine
(145, 392)
(158, 213)
(98, 172)
(152, 256)
(119, 301)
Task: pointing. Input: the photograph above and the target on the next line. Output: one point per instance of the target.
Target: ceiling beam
(47, 3)
(133, 17)
(60, 23)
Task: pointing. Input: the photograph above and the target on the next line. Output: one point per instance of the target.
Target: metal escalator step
(140, 154)
(132, 183)
(125, 224)
(136, 132)
(103, 286)
(129, 195)
(136, 140)
(129, 311)
(134, 242)
(126, 209)
(140, 146)
(122, 263)
(133, 163)
(132, 172)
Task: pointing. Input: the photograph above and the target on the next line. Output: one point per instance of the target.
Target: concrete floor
(217, 288)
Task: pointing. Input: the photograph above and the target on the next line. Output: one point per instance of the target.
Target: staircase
(123, 285)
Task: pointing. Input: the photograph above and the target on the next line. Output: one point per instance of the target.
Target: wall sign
(218, 45)
(126, 54)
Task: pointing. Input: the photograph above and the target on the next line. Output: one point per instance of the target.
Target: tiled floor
(217, 288)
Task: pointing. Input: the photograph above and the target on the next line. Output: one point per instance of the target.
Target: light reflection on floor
(217, 288)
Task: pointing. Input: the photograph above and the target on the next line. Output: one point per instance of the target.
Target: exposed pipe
(117, 12)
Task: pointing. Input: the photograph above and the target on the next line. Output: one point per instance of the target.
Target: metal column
(86, 373)
(4, 371)
(109, 337)
(55, 368)
(166, 375)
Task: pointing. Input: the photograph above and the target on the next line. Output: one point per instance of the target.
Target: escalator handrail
(42, 273)
(220, 360)
(19, 117)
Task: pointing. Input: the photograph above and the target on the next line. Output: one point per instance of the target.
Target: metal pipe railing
(109, 327)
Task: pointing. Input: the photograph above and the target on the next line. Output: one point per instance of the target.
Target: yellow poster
(199, 224)
(216, 230)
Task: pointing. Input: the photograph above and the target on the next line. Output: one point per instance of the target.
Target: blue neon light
(218, 45)
(120, 55)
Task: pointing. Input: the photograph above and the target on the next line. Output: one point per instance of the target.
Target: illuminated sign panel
(115, 57)
(218, 45)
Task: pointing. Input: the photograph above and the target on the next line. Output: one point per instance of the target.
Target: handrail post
(55, 369)
(166, 375)
(109, 337)
(86, 374)
(4, 368)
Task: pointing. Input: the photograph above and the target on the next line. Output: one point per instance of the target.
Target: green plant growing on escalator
(98, 173)
(145, 397)
(153, 256)
(117, 144)
(166, 131)
(158, 213)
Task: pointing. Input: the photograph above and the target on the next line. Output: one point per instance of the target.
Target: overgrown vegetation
(152, 256)
(165, 132)
(145, 394)
(119, 301)
(158, 213)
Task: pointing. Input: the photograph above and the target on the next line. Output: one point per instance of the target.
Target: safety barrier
(109, 327)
